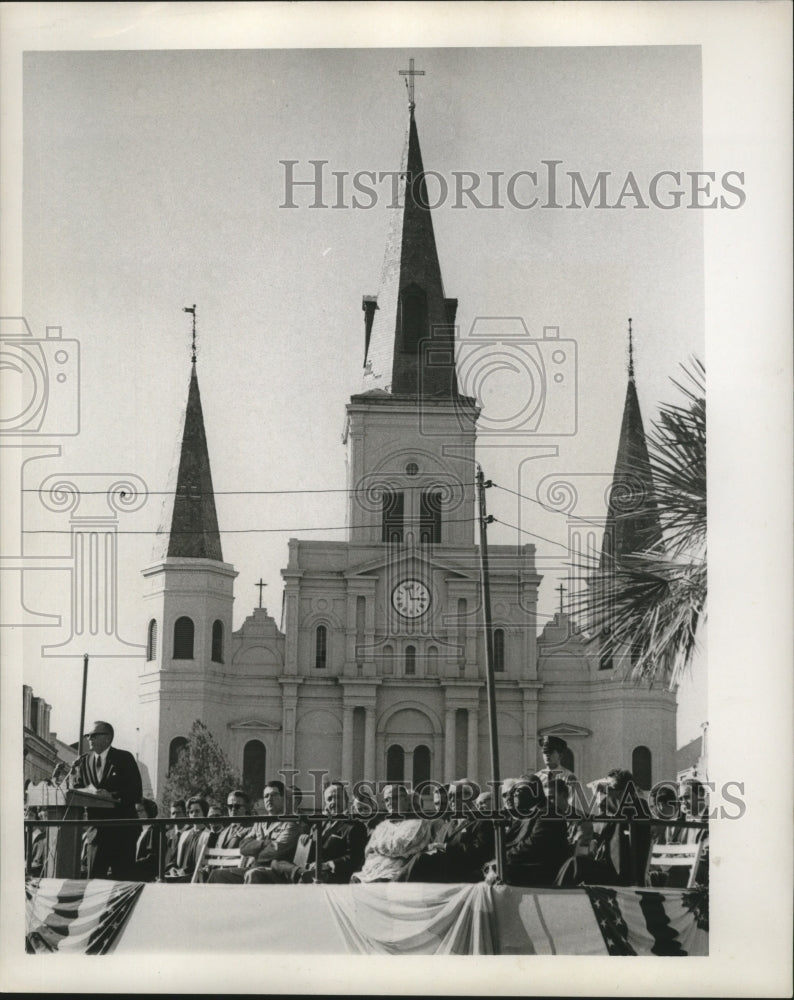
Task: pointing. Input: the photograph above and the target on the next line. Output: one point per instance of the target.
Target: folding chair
(663, 857)
(218, 857)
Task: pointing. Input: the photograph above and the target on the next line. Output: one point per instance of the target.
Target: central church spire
(409, 328)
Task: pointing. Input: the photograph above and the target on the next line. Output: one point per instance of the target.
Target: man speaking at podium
(106, 769)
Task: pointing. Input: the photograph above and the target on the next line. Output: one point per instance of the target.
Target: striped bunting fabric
(652, 922)
(399, 918)
(67, 915)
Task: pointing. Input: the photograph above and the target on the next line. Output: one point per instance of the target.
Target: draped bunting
(396, 918)
(76, 916)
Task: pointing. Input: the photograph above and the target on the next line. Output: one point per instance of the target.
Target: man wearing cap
(552, 748)
(114, 771)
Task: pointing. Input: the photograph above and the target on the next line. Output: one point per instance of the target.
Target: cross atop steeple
(561, 591)
(261, 586)
(410, 73)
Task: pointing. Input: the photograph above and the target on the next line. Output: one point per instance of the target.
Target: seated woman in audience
(146, 853)
(395, 842)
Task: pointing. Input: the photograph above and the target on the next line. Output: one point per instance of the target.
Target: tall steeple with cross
(411, 313)
(632, 520)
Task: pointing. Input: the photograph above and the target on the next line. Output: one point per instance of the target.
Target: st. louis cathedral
(376, 669)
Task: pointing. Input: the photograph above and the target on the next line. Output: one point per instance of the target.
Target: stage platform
(99, 917)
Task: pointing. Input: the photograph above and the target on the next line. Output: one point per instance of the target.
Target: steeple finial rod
(192, 311)
(410, 73)
(631, 353)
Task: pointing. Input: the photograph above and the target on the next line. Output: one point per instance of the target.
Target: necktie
(98, 767)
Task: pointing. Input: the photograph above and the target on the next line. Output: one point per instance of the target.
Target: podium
(64, 843)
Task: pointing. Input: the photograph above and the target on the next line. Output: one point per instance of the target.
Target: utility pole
(493, 733)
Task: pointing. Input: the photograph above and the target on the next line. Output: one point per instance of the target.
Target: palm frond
(650, 604)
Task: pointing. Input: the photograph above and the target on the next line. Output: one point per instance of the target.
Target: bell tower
(189, 596)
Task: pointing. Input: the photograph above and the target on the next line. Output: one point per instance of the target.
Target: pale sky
(152, 181)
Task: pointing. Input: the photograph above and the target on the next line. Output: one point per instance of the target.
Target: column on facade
(347, 742)
(289, 706)
(449, 745)
(369, 743)
(530, 692)
(473, 744)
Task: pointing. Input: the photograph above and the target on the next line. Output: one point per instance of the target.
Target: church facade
(376, 670)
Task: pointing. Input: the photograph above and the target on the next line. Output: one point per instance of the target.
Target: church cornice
(253, 724)
(567, 730)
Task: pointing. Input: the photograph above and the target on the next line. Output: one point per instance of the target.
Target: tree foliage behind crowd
(201, 768)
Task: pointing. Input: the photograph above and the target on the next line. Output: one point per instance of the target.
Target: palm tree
(653, 602)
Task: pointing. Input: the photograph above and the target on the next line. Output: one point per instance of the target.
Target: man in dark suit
(342, 846)
(114, 771)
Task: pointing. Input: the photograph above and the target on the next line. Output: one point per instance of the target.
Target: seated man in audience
(187, 846)
(271, 840)
(614, 857)
(692, 805)
(341, 847)
(536, 844)
(395, 843)
(177, 811)
(34, 863)
(238, 803)
(467, 844)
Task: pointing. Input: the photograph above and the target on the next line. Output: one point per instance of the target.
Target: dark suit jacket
(120, 777)
(535, 850)
(467, 848)
(343, 842)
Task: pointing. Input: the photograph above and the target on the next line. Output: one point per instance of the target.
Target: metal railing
(316, 822)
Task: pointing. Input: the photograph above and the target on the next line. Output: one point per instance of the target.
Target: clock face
(410, 598)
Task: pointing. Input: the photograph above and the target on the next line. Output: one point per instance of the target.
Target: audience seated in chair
(272, 840)
(613, 856)
(189, 843)
(467, 842)
(692, 805)
(536, 842)
(146, 849)
(395, 843)
(341, 847)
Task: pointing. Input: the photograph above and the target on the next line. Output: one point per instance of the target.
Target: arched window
(410, 661)
(217, 642)
(567, 759)
(641, 767)
(421, 765)
(183, 639)
(254, 761)
(412, 317)
(320, 647)
(175, 748)
(151, 641)
(432, 661)
(395, 763)
(392, 516)
(498, 650)
(430, 517)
